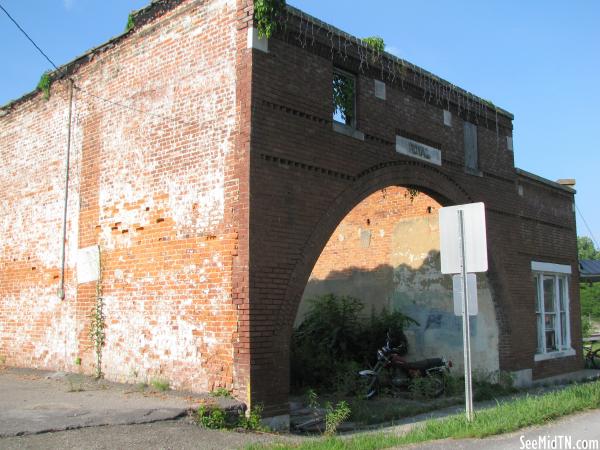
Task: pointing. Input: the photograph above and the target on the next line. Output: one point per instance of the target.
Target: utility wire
(27, 36)
(111, 102)
(588, 227)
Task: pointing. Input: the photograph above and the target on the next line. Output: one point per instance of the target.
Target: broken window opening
(471, 151)
(344, 98)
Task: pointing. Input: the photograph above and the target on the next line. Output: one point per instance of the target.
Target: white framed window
(551, 286)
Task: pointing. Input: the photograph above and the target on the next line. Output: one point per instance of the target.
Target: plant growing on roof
(376, 43)
(130, 22)
(377, 47)
(267, 14)
(44, 84)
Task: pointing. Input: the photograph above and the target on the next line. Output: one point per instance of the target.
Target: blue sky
(539, 59)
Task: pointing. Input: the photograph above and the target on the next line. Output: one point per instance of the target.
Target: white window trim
(541, 269)
(537, 266)
(554, 355)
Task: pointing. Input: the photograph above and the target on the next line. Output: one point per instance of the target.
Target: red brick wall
(307, 177)
(213, 204)
(377, 215)
(156, 186)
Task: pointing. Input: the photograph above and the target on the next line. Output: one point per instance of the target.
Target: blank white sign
(475, 238)
(457, 290)
(88, 264)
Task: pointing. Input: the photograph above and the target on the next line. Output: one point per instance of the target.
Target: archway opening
(384, 255)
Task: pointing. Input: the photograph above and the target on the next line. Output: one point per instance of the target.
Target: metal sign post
(463, 257)
(465, 317)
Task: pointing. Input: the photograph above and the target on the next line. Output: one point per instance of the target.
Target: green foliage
(213, 418)
(376, 43)
(486, 385)
(160, 384)
(44, 84)
(586, 248)
(130, 22)
(504, 418)
(335, 416)
(586, 326)
(491, 385)
(253, 421)
(96, 331)
(268, 14)
(343, 96)
(216, 418)
(589, 295)
(334, 341)
(221, 392)
(427, 387)
(312, 398)
(77, 361)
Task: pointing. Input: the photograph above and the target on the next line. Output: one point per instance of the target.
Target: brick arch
(426, 178)
(396, 173)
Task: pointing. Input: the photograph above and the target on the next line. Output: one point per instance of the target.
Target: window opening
(344, 98)
(471, 157)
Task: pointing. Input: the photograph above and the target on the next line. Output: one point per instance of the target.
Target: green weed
(160, 384)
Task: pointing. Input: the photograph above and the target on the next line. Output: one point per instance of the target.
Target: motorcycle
(391, 367)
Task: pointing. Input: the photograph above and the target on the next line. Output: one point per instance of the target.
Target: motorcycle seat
(424, 364)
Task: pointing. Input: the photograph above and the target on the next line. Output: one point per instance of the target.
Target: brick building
(210, 169)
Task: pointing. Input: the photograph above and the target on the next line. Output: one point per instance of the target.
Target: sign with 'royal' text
(418, 150)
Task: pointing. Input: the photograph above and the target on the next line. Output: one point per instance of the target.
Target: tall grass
(503, 418)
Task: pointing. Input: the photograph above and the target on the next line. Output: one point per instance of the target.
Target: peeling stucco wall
(386, 253)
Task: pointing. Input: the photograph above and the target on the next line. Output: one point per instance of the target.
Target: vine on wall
(97, 334)
(268, 15)
(393, 70)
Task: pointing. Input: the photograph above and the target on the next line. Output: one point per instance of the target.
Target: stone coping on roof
(545, 181)
(344, 35)
(141, 17)
(157, 8)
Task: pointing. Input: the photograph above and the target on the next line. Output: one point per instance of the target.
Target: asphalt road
(176, 435)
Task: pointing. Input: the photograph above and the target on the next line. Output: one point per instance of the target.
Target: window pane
(550, 341)
(561, 293)
(563, 330)
(549, 294)
(540, 334)
(537, 293)
(550, 322)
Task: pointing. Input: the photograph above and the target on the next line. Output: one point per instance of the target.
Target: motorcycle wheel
(438, 384)
(369, 386)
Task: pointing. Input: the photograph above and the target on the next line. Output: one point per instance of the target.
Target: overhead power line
(588, 227)
(28, 37)
(80, 89)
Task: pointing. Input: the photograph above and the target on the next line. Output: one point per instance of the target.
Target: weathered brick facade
(211, 177)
